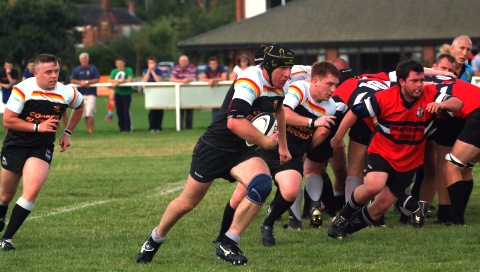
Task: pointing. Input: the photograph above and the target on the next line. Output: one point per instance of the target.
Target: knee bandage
(452, 159)
(259, 188)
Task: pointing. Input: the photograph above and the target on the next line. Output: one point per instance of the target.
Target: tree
(160, 34)
(29, 28)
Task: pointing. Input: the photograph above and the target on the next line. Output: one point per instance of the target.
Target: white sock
(351, 183)
(314, 186)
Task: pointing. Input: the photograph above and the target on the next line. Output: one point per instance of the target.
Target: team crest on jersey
(56, 108)
(420, 112)
(275, 103)
(4, 161)
(48, 155)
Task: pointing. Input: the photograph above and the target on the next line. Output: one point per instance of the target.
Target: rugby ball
(266, 123)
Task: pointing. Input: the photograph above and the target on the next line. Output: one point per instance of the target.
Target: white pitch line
(91, 204)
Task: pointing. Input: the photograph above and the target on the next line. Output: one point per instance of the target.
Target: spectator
(153, 74)
(444, 49)
(123, 95)
(184, 72)
(461, 48)
(243, 62)
(476, 62)
(213, 74)
(84, 75)
(8, 78)
(28, 72)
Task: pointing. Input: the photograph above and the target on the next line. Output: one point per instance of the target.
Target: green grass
(108, 191)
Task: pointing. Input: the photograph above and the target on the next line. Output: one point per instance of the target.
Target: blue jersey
(467, 73)
(86, 73)
(158, 71)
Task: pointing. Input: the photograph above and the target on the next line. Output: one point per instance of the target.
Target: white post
(177, 107)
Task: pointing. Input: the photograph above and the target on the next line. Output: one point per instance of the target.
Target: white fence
(171, 95)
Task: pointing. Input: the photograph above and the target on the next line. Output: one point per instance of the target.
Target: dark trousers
(186, 114)
(155, 118)
(122, 104)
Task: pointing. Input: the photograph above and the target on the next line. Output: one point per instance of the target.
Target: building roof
(347, 23)
(91, 14)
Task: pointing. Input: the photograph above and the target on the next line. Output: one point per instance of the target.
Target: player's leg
(338, 163)
(356, 164)
(252, 173)
(8, 188)
(444, 212)
(428, 188)
(35, 173)
(373, 185)
(314, 185)
(289, 182)
(193, 192)
(369, 215)
(191, 195)
(230, 208)
(255, 176)
(460, 157)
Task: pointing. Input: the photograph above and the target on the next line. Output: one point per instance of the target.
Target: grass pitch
(108, 190)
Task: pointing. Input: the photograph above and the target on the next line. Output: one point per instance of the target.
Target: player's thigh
(381, 202)
(465, 152)
(8, 185)
(313, 168)
(35, 173)
(356, 158)
(289, 182)
(245, 171)
(193, 192)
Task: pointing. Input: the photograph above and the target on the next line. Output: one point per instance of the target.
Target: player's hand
(434, 107)
(64, 142)
(271, 142)
(325, 121)
(337, 143)
(284, 155)
(49, 125)
(449, 74)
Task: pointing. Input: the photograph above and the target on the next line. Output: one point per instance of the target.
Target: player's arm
(434, 72)
(12, 121)
(282, 135)
(75, 117)
(245, 130)
(337, 141)
(319, 136)
(450, 104)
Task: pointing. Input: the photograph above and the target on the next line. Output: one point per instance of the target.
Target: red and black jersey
(467, 92)
(402, 126)
(355, 90)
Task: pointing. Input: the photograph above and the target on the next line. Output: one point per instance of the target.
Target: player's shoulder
(28, 85)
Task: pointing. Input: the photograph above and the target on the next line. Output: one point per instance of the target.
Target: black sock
(359, 220)
(351, 207)
(228, 241)
(3, 211)
(467, 187)
(444, 213)
(410, 203)
(339, 202)
(280, 206)
(307, 203)
(456, 192)
(19, 215)
(417, 183)
(227, 219)
(327, 196)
